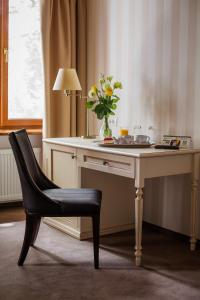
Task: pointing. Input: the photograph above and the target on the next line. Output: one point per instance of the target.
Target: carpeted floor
(61, 267)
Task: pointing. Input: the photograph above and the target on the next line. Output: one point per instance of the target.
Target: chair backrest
(25, 147)
(32, 181)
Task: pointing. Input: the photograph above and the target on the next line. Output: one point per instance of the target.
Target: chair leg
(96, 229)
(30, 231)
(36, 230)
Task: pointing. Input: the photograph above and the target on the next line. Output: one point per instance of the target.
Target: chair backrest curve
(27, 153)
(29, 173)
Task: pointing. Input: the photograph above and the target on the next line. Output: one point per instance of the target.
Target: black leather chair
(42, 198)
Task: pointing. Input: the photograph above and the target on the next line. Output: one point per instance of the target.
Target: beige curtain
(63, 27)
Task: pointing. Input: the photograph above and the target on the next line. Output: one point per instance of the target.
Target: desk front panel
(108, 163)
(166, 165)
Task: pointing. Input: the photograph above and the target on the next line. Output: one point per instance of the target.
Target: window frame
(6, 123)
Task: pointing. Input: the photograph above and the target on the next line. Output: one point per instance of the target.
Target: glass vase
(105, 130)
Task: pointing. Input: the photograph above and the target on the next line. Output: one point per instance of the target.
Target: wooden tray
(125, 145)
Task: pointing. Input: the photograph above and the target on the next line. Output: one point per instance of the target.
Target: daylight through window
(22, 96)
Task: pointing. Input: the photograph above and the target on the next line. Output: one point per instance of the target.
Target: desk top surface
(92, 144)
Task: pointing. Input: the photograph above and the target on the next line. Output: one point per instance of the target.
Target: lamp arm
(79, 94)
(76, 94)
(83, 97)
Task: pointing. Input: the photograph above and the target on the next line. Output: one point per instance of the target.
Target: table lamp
(68, 82)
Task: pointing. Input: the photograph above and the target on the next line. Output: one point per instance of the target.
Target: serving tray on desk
(125, 145)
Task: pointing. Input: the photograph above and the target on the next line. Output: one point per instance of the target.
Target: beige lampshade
(67, 79)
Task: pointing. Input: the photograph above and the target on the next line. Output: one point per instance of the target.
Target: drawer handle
(106, 163)
(73, 156)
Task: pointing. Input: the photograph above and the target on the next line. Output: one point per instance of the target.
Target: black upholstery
(42, 198)
(83, 202)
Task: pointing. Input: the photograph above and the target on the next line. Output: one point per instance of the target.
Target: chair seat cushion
(76, 202)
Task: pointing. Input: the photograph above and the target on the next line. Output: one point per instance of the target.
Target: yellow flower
(108, 91)
(94, 89)
(91, 94)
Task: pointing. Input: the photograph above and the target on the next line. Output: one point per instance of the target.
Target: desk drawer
(109, 163)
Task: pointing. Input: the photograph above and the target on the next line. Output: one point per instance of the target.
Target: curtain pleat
(62, 34)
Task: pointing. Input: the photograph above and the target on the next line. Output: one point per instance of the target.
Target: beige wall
(153, 46)
(36, 141)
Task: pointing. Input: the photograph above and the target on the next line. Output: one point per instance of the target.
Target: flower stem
(107, 130)
(106, 123)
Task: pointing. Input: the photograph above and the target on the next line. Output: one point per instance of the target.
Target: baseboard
(168, 232)
(87, 234)
(64, 228)
(107, 231)
(13, 203)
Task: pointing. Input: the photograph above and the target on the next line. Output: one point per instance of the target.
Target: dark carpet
(61, 267)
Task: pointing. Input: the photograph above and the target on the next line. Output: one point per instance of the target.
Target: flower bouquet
(103, 100)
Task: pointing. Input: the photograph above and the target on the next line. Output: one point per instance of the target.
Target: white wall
(153, 47)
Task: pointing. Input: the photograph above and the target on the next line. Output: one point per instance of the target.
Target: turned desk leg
(194, 200)
(138, 225)
(193, 233)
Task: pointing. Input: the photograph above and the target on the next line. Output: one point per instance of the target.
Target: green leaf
(100, 115)
(109, 102)
(98, 107)
(89, 104)
(101, 99)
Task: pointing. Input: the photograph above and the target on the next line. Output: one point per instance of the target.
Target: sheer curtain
(63, 27)
(153, 47)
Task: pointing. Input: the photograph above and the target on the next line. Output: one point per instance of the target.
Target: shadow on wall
(167, 203)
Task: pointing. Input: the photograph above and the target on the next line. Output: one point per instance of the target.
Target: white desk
(137, 164)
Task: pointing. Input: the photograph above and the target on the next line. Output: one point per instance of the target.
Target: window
(21, 75)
